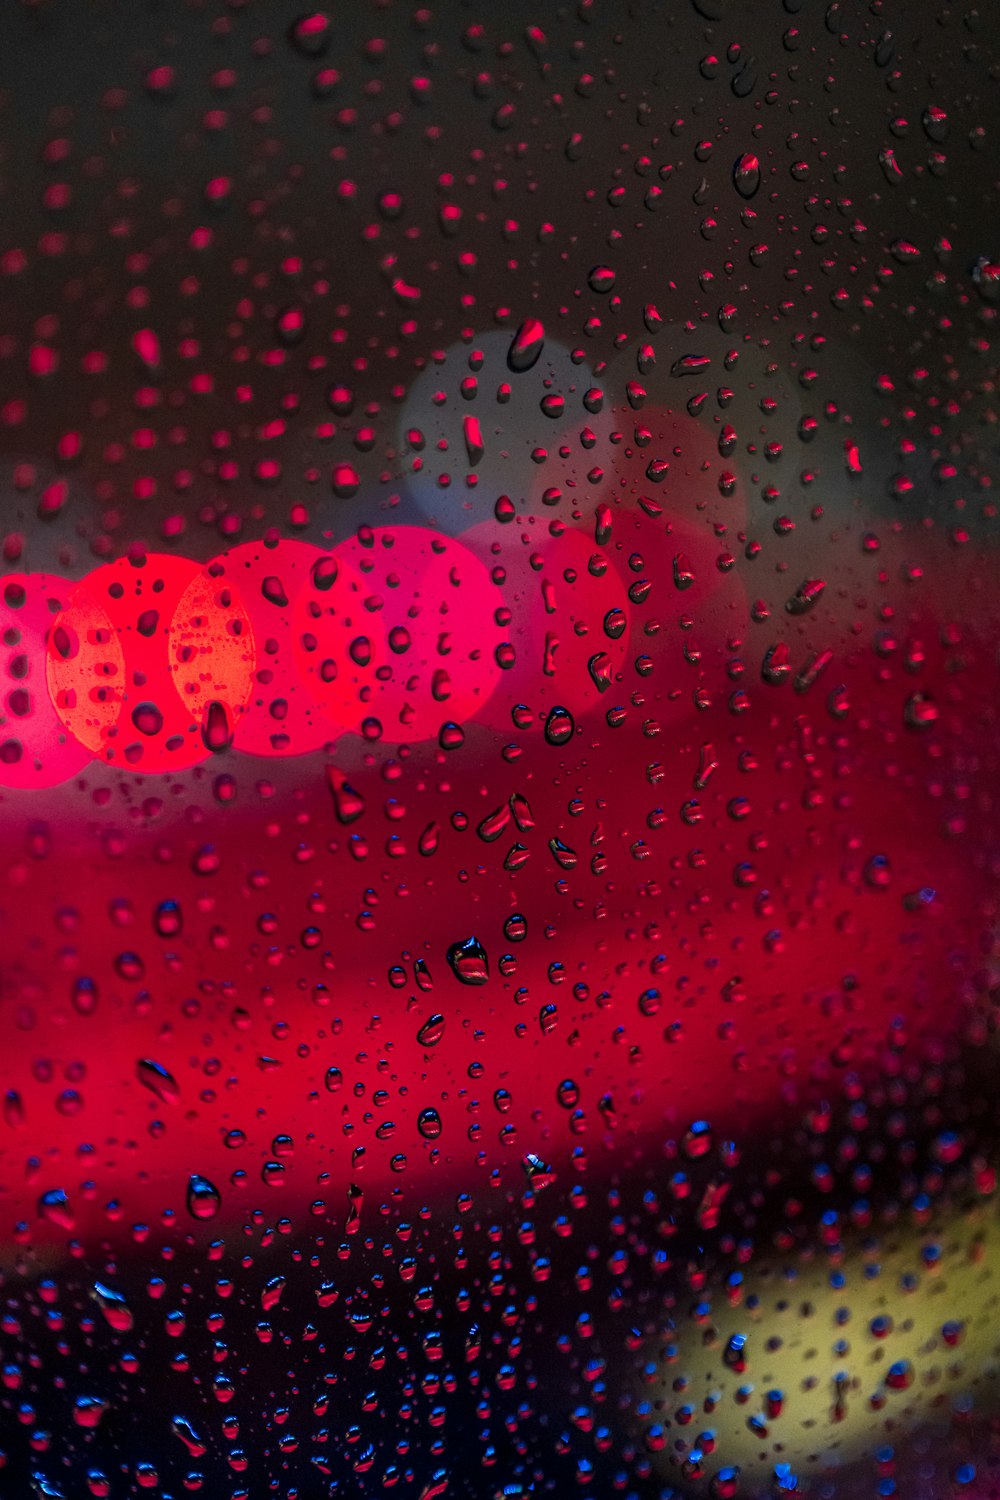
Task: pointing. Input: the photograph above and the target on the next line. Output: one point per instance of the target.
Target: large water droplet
(468, 961)
(538, 1172)
(431, 1031)
(526, 346)
(183, 1428)
(746, 174)
(116, 1310)
(347, 803)
(217, 728)
(203, 1197)
(690, 364)
(55, 1207)
(168, 920)
(493, 825)
(559, 726)
(157, 1080)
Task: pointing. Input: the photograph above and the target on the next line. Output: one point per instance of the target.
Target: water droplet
(690, 364)
(203, 1197)
(88, 1411)
(565, 857)
(878, 872)
(147, 718)
(935, 123)
(355, 1199)
(919, 711)
(157, 1080)
(427, 843)
(217, 727)
(521, 808)
(559, 726)
(348, 805)
(184, 1429)
(13, 1109)
(776, 666)
(891, 170)
(429, 1124)
(746, 174)
(324, 573)
(474, 445)
(744, 80)
(311, 34)
(601, 669)
(273, 590)
(345, 481)
(116, 1310)
(526, 346)
(167, 919)
(272, 1291)
(493, 825)
(515, 929)
(431, 1031)
(85, 995)
(468, 961)
(615, 623)
(54, 1206)
(806, 596)
(538, 1172)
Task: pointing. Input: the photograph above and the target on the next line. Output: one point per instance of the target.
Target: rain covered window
(498, 749)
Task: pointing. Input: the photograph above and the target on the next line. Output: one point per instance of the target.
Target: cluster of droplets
(565, 1082)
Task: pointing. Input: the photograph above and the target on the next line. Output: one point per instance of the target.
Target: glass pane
(498, 750)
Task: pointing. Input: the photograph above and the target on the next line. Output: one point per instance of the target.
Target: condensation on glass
(498, 750)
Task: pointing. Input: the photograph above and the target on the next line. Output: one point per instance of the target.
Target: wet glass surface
(498, 750)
